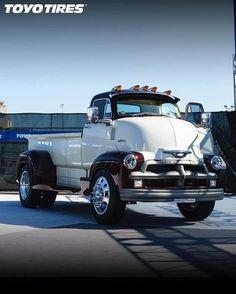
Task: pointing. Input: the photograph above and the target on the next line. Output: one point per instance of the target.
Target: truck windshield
(146, 107)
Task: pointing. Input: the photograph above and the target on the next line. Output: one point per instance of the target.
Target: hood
(153, 136)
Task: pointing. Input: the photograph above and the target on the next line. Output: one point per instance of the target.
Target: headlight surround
(216, 162)
(130, 161)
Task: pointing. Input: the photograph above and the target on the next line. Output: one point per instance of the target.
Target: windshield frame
(142, 96)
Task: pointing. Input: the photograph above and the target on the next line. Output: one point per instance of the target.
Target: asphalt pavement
(152, 242)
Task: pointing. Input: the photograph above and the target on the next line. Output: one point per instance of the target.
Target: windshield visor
(137, 106)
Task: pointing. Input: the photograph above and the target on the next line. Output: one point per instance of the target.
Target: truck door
(98, 136)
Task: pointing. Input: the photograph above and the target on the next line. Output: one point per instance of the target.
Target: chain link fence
(14, 127)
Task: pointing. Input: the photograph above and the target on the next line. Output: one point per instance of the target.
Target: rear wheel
(28, 196)
(196, 211)
(105, 199)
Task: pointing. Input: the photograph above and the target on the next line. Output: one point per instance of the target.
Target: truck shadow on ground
(169, 247)
(78, 215)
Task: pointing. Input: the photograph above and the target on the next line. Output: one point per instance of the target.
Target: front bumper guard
(148, 175)
(177, 195)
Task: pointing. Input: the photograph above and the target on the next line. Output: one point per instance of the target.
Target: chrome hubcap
(101, 195)
(24, 185)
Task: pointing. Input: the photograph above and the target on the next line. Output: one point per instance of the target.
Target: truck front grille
(159, 168)
(173, 183)
(189, 182)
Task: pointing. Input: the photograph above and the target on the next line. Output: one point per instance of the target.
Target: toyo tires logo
(44, 8)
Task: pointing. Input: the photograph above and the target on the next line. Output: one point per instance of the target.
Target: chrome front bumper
(176, 195)
(179, 171)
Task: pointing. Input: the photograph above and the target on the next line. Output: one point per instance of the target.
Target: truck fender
(113, 163)
(41, 165)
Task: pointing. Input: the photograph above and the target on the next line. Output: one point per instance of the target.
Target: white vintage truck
(134, 147)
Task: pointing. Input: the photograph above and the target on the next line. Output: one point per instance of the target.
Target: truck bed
(65, 150)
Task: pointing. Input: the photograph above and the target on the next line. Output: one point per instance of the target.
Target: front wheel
(46, 199)
(105, 199)
(196, 211)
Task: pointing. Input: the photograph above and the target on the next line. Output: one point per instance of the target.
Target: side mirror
(206, 120)
(193, 112)
(92, 114)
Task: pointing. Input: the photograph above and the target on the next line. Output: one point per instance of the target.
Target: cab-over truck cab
(134, 147)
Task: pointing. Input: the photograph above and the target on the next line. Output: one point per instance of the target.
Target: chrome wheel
(101, 195)
(24, 185)
(106, 206)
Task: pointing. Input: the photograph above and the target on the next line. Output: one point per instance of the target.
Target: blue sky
(49, 60)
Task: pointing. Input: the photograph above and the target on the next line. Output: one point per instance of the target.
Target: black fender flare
(41, 165)
(113, 163)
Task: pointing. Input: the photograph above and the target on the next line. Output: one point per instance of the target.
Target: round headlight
(216, 162)
(130, 161)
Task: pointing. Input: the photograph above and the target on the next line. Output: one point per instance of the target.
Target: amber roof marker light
(153, 89)
(135, 88)
(144, 88)
(167, 92)
(117, 88)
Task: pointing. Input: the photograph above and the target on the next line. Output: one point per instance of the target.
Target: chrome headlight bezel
(130, 161)
(216, 162)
